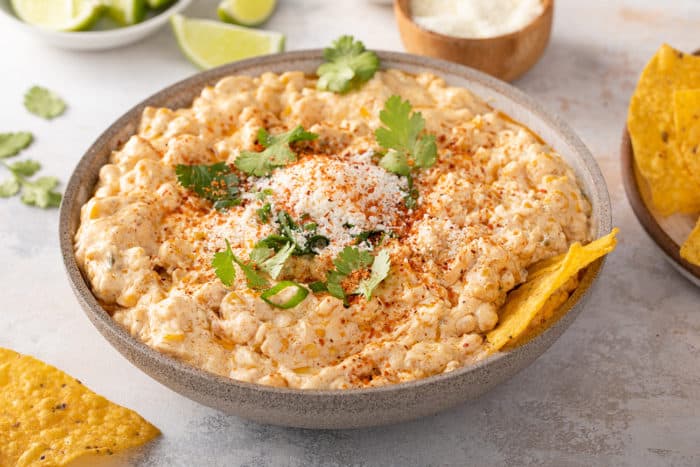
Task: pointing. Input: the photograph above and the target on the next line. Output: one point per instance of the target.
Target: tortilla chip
(546, 289)
(50, 418)
(690, 250)
(686, 113)
(653, 132)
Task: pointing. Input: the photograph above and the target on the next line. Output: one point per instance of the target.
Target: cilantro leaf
(43, 103)
(253, 278)
(12, 143)
(260, 253)
(348, 65)
(402, 138)
(212, 182)
(396, 162)
(273, 266)
(40, 192)
(380, 271)
(351, 259)
(9, 187)
(277, 152)
(264, 213)
(223, 265)
(334, 285)
(25, 168)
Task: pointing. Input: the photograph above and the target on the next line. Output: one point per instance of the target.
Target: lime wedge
(246, 12)
(210, 43)
(126, 12)
(155, 4)
(59, 15)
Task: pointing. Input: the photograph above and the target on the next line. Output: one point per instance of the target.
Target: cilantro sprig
(261, 259)
(348, 261)
(12, 143)
(347, 65)
(407, 147)
(277, 152)
(214, 182)
(223, 264)
(39, 192)
(44, 103)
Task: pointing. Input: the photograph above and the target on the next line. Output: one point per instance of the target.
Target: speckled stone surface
(620, 387)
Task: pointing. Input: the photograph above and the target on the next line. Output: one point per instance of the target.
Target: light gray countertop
(621, 387)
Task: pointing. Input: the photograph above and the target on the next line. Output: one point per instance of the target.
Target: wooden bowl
(506, 57)
(666, 232)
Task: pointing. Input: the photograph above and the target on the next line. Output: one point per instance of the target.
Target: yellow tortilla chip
(653, 133)
(686, 113)
(545, 291)
(690, 250)
(49, 418)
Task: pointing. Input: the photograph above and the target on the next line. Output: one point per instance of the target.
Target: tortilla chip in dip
(690, 250)
(653, 132)
(538, 301)
(49, 418)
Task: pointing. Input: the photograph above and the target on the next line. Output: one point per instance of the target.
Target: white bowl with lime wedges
(90, 24)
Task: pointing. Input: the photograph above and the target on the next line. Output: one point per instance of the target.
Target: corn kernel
(174, 337)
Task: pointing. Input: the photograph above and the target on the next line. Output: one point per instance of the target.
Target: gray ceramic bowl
(333, 409)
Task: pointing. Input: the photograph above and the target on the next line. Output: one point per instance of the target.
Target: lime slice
(155, 4)
(126, 12)
(59, 15)
(246, 12)
(210, 43)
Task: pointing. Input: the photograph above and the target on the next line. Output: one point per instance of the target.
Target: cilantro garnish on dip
(348, 65)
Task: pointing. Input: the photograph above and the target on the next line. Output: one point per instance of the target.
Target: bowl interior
(297, 407)
(668, 233)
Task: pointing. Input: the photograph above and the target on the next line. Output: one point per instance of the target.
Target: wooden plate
(667, 232)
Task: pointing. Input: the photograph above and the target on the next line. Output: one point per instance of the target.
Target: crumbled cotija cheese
(475, 18)
(344, 196)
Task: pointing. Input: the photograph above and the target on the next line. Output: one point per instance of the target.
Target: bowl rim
(161, 16)
(401, 7)
(112, 330)
(644, 214)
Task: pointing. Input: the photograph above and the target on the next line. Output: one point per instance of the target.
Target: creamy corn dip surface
(496, 201)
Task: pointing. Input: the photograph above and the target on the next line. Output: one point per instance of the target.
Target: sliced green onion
(296, 299)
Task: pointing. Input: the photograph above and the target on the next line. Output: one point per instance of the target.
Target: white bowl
(92, 40)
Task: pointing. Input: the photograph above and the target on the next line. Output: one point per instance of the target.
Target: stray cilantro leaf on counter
(24, 168)
(44, 103)
(9, 187)
(380, 271)
(40, 192)
(348, 261)
(348, 65)
(12, 143)
(213, 182)
(277, 152)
